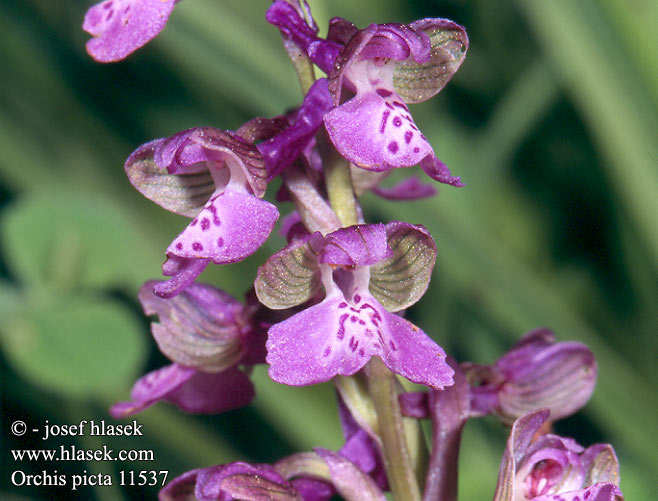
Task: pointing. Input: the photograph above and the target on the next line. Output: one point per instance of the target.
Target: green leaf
(77, 346)
(65, 240)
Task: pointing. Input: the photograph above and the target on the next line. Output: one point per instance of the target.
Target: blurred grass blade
(585, 49)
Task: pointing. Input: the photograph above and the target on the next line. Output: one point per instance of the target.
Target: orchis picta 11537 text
(330, 304)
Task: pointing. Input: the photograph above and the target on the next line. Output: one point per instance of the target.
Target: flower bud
(202, 327)
(536, 373)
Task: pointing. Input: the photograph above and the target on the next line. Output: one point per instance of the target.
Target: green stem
(339, 182)
(397, 460)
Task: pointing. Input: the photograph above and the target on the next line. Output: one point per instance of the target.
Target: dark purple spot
(354, 344)
(416, 149)
(384, 92)
(382, 126)
(179, 246)
(357, 299)
(215, 219)
(375, 313)
(393, 146)
(342, 305)
(108, 5)
(413, 126)
(397, 121)
(389, 105)
(392, 345)
(109, 15)
(197, 246)
(361, 352)
(407, 136)
(374, 321)
(341, 326)
(220, 242)
(399, 105)
(194, 222)
(361, 322)
(327, 350)
(353, 319)
(205, 223)
(423, 137)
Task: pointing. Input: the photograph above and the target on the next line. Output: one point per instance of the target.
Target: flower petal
(519, 439)
(191, 391)
(375, 131)
(219, 482)
(350, 481)
(182, 272)
(598, 492)
(120, 27)
(416, 81)
(184, 194)
(408, 189)
(188, 152)
(358, 245)
(335, 337)
(296, 30)
(180, 488)
(291, 276)
(200, 328)
(439, 171)
(231, 226)
(402, 279)
(281, 150)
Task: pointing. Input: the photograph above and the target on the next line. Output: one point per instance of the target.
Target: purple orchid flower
(553, 468)
(207, 334)
(190, 390)
(120, 27)
(365, 270)
(215, 177)
(387, 66)
(536, 373)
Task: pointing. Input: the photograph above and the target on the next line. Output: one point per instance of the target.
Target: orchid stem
(397, 459)
(339, 182)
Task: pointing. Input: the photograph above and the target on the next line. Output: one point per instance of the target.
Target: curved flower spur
(218, 179)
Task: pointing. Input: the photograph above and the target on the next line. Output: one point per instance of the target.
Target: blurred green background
(551, 122)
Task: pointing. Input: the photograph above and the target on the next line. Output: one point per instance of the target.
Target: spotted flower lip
(387, 66)
(536, 373)
(218, 179)
(120, 27)
(553, 468)
(350, 325)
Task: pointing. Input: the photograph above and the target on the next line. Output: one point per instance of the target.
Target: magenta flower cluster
(331, 303)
